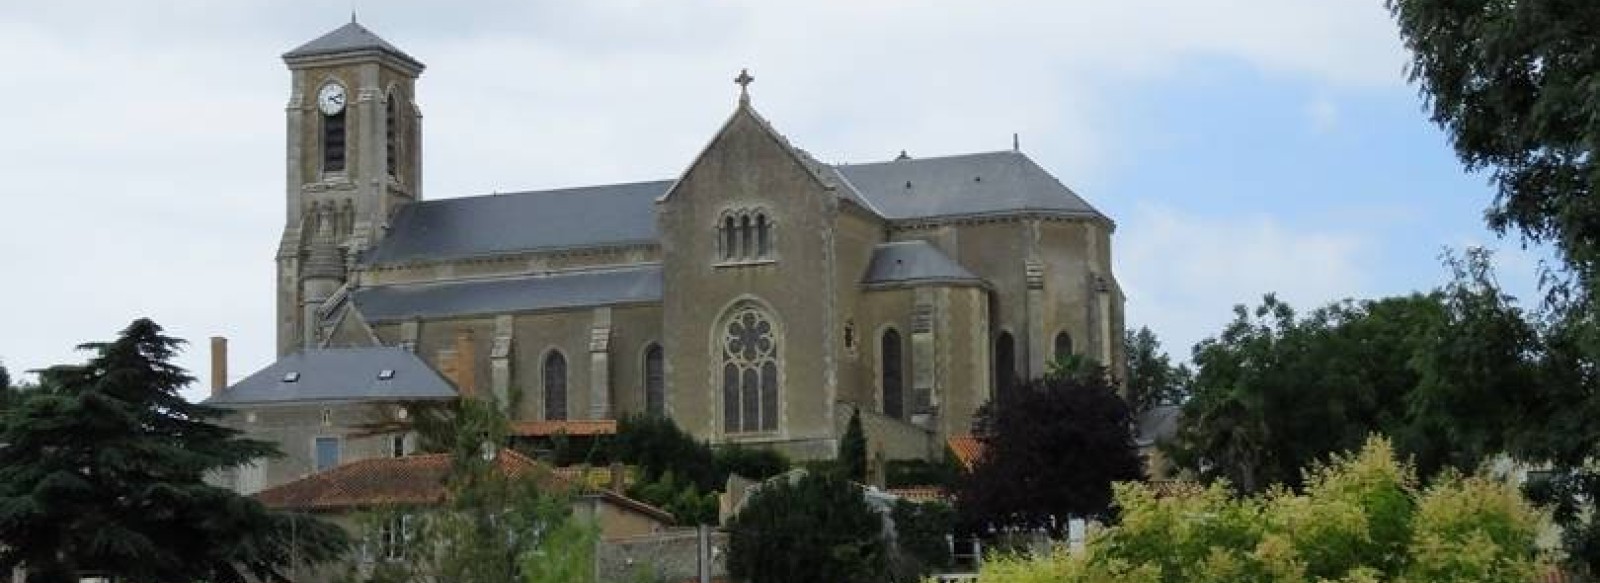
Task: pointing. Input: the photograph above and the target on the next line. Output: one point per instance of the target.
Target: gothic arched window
(555, 386)
(747, 248)
(333, 142)
(749, 371)
(893, 378)
(1063, 345)
(391, 135)
(763, 242)
(1005, 365)
(655, 397)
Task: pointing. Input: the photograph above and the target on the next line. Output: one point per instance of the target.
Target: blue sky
(1242, 146)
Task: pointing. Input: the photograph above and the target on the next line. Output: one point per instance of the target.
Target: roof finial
(1016, 143)
(903, 156)
(744, 80)
(352, 16)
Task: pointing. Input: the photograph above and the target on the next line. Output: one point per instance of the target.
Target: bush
(754, 464)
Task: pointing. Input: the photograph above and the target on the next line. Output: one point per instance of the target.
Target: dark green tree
(1051, 452)
(853, 450)
(920, 529)
(814, 527)
(1152, 379)
(1449, 374)
(103, 471)
(1512, 84)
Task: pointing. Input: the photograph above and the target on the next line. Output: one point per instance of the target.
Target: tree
(103, 471)
(496, 524)
(1512, 84)
(1447, 373)
(1152, 379)
(920, 531)
(1051, 451)
(1362, 518)
(853, 450)
(806, 528)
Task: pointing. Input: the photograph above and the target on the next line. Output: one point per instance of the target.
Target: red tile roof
(416, 480)
(584, 427)
(966, 448)
(921, 493)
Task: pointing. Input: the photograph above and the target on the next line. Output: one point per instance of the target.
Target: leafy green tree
(1051, 451)
(657, 445)
(814, 527)
(1446, 373)
(103, 470)
(750, 463)
(1512, 84)
(1152, 378)
(919, 535)
(495, 525)
(1362, 518)
(853, 450)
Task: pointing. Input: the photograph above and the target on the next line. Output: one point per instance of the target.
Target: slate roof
(1157, 424)
(339, 374)
(989, 184)
(509, 295)
(909, 262)
(349, 38)
(992, 183)
(417, 480)
(570, 218)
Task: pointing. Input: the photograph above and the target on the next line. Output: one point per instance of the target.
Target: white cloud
(142, 146)
(1184, 271)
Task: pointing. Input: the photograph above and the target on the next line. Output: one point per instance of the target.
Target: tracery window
(655, 397)
(749, 371)
(555, 386)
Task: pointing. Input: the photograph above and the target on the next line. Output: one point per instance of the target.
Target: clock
(330, 99)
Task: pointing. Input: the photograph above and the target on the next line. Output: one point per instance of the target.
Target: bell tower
(354, 158)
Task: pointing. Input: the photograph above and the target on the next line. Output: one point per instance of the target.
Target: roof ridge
(557, 190)
(931, 158)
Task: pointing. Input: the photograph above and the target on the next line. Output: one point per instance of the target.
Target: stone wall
(664, 556)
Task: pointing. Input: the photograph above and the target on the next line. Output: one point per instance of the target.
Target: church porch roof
(339, 374)
(914, 262)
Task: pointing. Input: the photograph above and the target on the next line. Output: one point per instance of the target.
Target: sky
(1241, 146)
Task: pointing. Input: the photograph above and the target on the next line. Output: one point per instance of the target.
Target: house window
(333, 142)
(750, 363)
(1005, 366)
(326, 450)
(394, 535)
(893, 377)
(397, 445)
(1063, 345)
(655, 398)
(555, 386)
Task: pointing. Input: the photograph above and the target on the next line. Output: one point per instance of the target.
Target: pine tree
(103, 471)
(853, 450)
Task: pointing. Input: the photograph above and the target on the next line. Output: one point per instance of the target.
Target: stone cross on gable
(744, 80)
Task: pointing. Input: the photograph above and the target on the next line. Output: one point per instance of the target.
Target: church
(760, 297)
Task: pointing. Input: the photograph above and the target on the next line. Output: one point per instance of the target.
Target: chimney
(219, 364)
(619, 477)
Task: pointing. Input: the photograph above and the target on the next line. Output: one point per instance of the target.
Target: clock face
(330, 99)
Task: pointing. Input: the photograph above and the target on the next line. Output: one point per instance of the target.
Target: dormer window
(745, 236)
(386, 374)
(291, 377)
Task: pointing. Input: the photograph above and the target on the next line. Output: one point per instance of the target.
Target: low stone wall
(898, 440)
(663, 556)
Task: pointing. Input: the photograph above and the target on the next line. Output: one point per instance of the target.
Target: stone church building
(760, 297)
